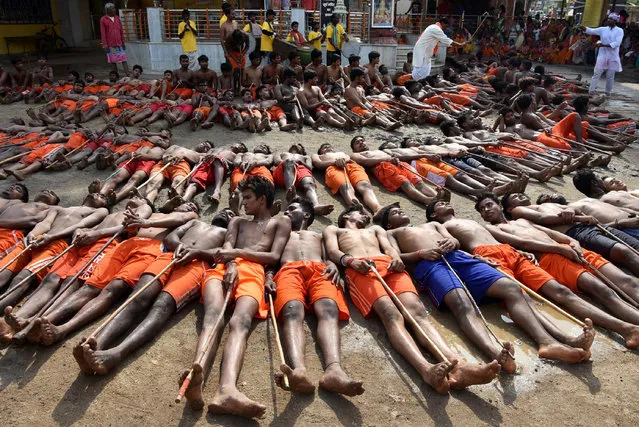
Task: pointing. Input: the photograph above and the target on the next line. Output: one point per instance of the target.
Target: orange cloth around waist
(250, 282)
(301, 172)
(566, 271)
(127, 262)
(70, 264)
(39, 154)
(112, 102)
(304, 281)
(566, 127)
(159, 264)
(515, 264)
(75, 140)
(507, 151)
(424, 166)
(236, 175)
(457, 99)
(552, 141)
(41, 256)
(359, 110)
(205, 110)
(185, 282)
(393, 176)
(380, 105)
(336, 177)
(403, 79)
(184, 92)
(182, 169)
(275, 113)
(365, 289)
(66, 103)
(9, 240)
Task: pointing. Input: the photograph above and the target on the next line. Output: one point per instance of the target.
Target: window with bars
(25, 12)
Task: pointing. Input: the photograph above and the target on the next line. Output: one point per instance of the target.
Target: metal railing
(135, 24)
(415, 24)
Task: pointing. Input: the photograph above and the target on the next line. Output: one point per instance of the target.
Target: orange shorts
(566, 271)
(181, 169)
(457, 99)
(301, 172)
(127, 262)
(75, 140)
(359, 110)
(380, 105)
(185, 282)
(303, 281)
(552, 141)
(39, 154)
(9, 240)
(70, 264)
(87, 105)
(184, 92)
(159, 264)
(41, 256)
(365, 289)
(566, 127)
(336, 177)
(428, 168)
(275, 113)
(254, 113)
(66, 103)
(112, 102)
(250, 282)
(507, 151)
(515, 264)
(236, 175)
(403, 79)
(204, 110)
(392, 176)
(63, 88)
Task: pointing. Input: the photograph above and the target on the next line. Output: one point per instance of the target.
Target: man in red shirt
(113, 38)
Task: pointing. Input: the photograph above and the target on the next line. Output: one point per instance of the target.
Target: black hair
(316, 53)
(185, 12)
(527, 64)
(524, 101)
(505, 110)
(484, 196)
(202, 81)
(539, 69)
(514, 62)
(526, 83)
(583, 180)
(42, 55)
(299, 147)
(183, 57)
(202, 58)
(251, 13)
(385, 211)
(243, 91)
(168, 71)
(270, 12)
(511, 89)
(254, 55)
(335, 57)
(383, 70)
(323, 146)
(444, 20)
(79, 82)
(222, 222)
(117, 75)
(461, 119)
(226, 7)
(356, 72)
(75, 74)
(548, 80)
(580, 104)
(225, 66)
(295, 23)
(88, 73)
(25, 191)
(309, 75)
(260, 186)
(397, 91)
(368, 90)
(373, 54)
(288, 73)
(446, 126)
(505, 203)
(557, 100)
(544, 196)
(431, 80)
(430, 209)
(341, 219)
(354, 140)
(307, 207)
(409, 54)
(353, 58)
(292, 55)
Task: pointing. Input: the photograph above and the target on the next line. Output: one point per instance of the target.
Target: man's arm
(372, 160)
(524, 244)
(181, 33)
(329, 236)
(21, 222)
(171, 220)
(387, 248)
(89, 221)
(173, 239)
(272, 257)
(44, 225)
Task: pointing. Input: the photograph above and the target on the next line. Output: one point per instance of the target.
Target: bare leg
(368, 194)
(590, 285)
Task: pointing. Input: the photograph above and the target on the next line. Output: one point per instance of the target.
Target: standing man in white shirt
(427, 46)
(608, 61)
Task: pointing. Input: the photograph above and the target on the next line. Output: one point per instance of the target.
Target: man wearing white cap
(427, 46)
(608, 61)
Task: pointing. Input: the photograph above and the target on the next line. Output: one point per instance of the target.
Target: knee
(463, 309)
(391, 316)
(326, 308)
(307, 185)
(240, 323)
(293, 311)
(562, 292)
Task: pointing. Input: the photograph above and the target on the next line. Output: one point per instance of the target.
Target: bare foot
(369, 121)
(215, 197)
(13, 320)
(207, 125)
(95, 186)
(17, 175)
(171, 204)
(276, 208)
(467, 374)
(290, 193)
(193, 392)
(322, 210)
(563, 352)
(50, 332)
(437, 376)
(506, 360)
(632, 337)
(522, 182)
(78, 354)
(585, 339)
(101, 362)
(34, 336)
(443, 193)
(503, 189)
(235, 403)
(336, 380)
(288, 127)
(298, 380)
(5, 334)
(82, 164)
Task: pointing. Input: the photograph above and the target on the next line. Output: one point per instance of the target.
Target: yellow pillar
(592, 13)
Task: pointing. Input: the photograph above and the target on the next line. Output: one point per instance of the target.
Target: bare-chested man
(477, 240)
(48, 238)
(312, 99)
(580, 227)
(608, 190)
(425, 246)
(285, 94)
(293, 172)
(307, 279)
(205, 73)
(320, 69)
(356, 248)
(357, 103)
(183, 80)
(172, 291)
(345, 176)
(252, 77)
(273, 72)
(249, 246)
(249, 164)
(181, 160)
(116, 275)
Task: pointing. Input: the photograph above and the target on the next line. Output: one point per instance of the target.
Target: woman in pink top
(113, 38)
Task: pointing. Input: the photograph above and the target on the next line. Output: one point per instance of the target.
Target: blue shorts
(435, 277)
(634, 232)
(467, 164)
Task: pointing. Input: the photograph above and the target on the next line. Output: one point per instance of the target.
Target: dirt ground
(43, 386)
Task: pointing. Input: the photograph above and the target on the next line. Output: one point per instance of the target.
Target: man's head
(357, 76)
(135, 202)
(256, 58)
(468, 122)
(264, 92)
(508, 114)
(204, 146)
(203, 60)
(514, 63)
(294, 59)
(437, 209)
(95, 200)
(17, 191)
(337, 60)
(549, 83)
(358, 144)
(489, 208)
(525, 65)
(137, 71)
(187, 207)
(270, 15)
(335, 19)
(527, 84)
(202, 86)
(73, 76)
(325, 148)
(512, 200)
(186, 15)
(540, 69)
(409, 57)
(614, 184)
(450, 128)
(295, 26)
(184, 62)
(114, 76)
(289, 76)
(252, 16)
(78, 86)
(238, 148)
(444, 22)
(230, 15)
(223, 217)
(551, 198)
(388, 145)
(258, 194)
(48, 197)
(89, 77)
(392, 216)
(247, 95)
(262, 149)
(524, 102)
(371, 90)
(301, 213)
(275, 58)
(580, 104)
(315, 25)
(310, 76)
(353, 60)
(374, 57)
(612, 20)
(316, 56)
(226, 8)
(383, 70)
(226, 69)
(109, 9)
(297, 149)
(587, 182)
(353, 215)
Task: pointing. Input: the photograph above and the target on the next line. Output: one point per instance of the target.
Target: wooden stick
(624, 296)
(406, 313)
(16, 257)
(474, 303)
(152, 177)
(118, 168)
(207, 339)
(612, 236)
(23, 333)
(106, 129)
(277, 336)
(130, 299)
(572, 141)
(486, 15)
(13, 158)
(186, 178)
(38, 270)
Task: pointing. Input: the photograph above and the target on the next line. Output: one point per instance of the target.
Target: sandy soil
(43, 386)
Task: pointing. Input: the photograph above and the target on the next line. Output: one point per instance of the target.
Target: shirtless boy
(252, 77)
(312, 99)
(356, 102)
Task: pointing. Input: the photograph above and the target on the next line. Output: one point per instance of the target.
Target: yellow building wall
(592, 13)
(24, 30)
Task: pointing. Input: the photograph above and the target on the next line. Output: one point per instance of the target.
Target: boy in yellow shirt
(315, 36)
(187, 32)
(335, 38)
(268, 34)
(252, 27)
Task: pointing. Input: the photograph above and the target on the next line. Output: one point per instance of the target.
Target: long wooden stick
(130, 299)
(13, 158)
(23, 251)
(572, 141)
(277, 336)
(474, 303)
(23, 333)
(624, 296)
(152, 177)
(486, 15)
(205, 347)
(118, 169)
(612, 236)
(406, 313)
